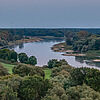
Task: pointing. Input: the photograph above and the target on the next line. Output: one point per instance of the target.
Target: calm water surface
(42, 51)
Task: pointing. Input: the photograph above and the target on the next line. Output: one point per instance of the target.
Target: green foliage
(23, 58)
(6, 93)
(83, 41)
(82, 93)
(70, 37)
(32, 60)
(9, 87)
(55, 63)
(3, 71)
(33, 88)
(56, 93)
(88, 76)
(6, 36)
(7, 54)
(25, 70)
(13, 87)
(62, 70)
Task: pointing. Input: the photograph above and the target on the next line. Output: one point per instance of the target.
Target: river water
(42, 51)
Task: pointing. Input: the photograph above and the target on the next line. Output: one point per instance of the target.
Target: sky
(49, 13)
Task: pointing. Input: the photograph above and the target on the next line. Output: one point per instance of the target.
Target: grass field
(8, 67)
(47, 73)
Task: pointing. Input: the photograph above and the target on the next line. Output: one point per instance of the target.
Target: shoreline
(32, 39)
(60, 47)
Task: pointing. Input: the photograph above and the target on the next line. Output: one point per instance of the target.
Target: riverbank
(24, 40)
(31, 39)
(67, 50)
(73, 54)
(60, 47)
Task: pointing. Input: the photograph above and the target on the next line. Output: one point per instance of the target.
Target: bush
(3, 71)
(9, 87)
(82, 93)
(89, 76)
(32, 60)
(25, 70)
(23, 58)
(33, 88)
(55, 63)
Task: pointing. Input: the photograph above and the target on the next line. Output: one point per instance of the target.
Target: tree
(3, 71)
(25, 70)
(52, 63)
(9, 87)
(32, 60)
(89, 76)
(33, 88)
(23, 58)
(70, 36)
(9, 55)
(12, 56)
(7, 93)
(56, 93)
(83, 34)
(83, 92)
(55, 63)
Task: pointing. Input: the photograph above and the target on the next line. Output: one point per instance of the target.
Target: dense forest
(64, 83)
(59, 32)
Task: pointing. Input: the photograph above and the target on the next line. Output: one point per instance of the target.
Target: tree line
(6, 36)
(82, 41)
(12, 56)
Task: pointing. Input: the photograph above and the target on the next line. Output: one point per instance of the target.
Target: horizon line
(48, 27)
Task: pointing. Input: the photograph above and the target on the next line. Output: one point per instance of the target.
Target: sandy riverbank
(67, 50)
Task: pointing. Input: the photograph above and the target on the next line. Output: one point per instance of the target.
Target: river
(42, 51)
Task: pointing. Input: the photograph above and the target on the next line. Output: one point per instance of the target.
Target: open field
(47, 73)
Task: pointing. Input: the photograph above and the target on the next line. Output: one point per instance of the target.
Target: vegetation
(3, 71)
(23, 58)
(6, 36)
(12, 56)
(65, 83)
(26, 70)
(13, 87)
(55, 63)
(83, 41)
(7, 54)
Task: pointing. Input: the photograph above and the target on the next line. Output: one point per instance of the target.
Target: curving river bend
(42, 51)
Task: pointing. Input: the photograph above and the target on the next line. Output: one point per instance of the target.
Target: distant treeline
(57, 32)
(7, 35)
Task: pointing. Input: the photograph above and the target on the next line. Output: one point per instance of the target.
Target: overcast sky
(49, 13)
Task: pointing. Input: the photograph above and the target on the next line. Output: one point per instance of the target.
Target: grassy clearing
(9, 67)
(47, 73)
